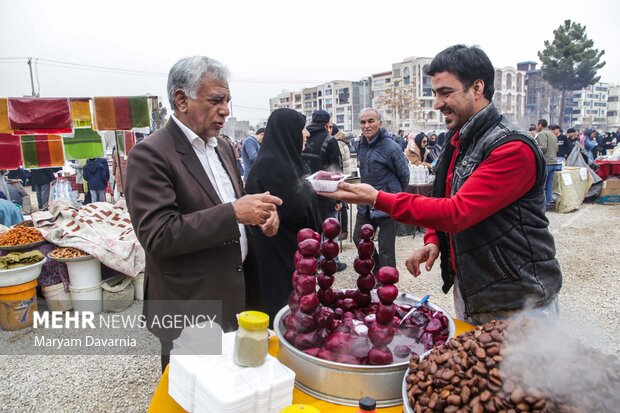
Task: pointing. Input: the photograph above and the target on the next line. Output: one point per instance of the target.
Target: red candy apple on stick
(303, 300)
(364, 265)
(382, 331)
(329, 249)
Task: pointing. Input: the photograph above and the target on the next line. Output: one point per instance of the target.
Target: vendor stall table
(607, 168)
(162, 402)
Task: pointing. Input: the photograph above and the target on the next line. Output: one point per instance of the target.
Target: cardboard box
(611, 187)
(610, 194)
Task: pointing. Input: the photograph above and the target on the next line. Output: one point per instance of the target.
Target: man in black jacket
(565, 145)
(41, 179)
(322, 153)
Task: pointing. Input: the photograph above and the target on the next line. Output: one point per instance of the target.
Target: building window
(308, 96)
(328, 92)
(339, 110)
(519, 82)
(612, 113)
(509, 81)
(406, 76)
(339, 118)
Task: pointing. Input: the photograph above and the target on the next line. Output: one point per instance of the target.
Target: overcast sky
(271, 45)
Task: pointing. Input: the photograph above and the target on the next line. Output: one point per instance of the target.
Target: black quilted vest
(507, 261)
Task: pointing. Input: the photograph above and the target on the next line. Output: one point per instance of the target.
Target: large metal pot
(346, 383)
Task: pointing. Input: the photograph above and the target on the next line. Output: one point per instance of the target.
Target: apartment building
(404, 97)
(510, 95)
(343, 99)
(589, 108)
(613, 108)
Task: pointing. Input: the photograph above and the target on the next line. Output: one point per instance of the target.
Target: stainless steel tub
(346, 383)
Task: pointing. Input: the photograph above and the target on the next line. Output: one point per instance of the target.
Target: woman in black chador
(280, 170)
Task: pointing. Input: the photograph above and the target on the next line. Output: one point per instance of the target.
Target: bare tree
(398, 100)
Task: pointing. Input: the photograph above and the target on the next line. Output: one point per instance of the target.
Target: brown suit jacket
(190, 238)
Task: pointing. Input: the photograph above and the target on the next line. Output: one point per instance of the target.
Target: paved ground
(587, 244)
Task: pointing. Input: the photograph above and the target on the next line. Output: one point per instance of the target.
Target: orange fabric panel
(105, 113)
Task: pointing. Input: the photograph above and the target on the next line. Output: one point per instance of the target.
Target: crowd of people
(218, 219)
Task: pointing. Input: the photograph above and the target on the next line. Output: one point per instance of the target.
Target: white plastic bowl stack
(216, 384)
(320, 185)
(228, 388)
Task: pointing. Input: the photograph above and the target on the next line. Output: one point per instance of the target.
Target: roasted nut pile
(464, 376)
(19, 236)
(67, 252)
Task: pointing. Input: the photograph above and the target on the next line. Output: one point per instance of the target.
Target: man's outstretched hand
(353, 193)
(427, 254)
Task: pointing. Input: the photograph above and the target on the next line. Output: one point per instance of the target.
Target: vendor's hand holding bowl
(353, 193)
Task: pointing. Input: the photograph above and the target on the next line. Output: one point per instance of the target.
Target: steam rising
(543, 355)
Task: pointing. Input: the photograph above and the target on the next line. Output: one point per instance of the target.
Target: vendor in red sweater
(486, 217)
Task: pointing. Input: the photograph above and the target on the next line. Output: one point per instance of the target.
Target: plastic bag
(61, 189)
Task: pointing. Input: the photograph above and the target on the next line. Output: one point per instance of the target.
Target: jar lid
(300, 408)
(368, 404)
(253, 320)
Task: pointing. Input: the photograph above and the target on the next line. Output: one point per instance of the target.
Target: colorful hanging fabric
(121, 113)
(125, 141)
(10, 152)
(80, 112)
(4, 116)
(39, 115)
(85, 144)
(42, 151)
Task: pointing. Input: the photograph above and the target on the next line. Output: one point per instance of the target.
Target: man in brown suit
(186, 202)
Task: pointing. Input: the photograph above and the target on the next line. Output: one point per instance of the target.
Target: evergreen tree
(570, 62)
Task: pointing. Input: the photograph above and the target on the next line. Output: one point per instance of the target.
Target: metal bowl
(342, 383)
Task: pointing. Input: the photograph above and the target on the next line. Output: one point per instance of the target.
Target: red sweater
(505, 176)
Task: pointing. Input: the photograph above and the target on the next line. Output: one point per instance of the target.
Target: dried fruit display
(20, 235)
(67, 252)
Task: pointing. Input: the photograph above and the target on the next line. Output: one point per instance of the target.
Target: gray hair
(370, 110)
(187, 73)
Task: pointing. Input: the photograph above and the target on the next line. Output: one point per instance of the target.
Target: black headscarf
(279, 169)
(418, 142)
(431, 142)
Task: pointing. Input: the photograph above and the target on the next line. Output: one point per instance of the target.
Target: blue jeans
(549, 184)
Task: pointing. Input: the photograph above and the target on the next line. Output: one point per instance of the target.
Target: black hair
(570, 130)
(468, 64)
(532, 128)
(543, 122)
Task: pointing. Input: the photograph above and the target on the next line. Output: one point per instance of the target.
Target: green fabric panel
(120, 141)
(139, 108)
(29, 150)
(85, 144)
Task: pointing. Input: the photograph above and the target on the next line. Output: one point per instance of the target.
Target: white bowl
(21, 275)
(320, 185)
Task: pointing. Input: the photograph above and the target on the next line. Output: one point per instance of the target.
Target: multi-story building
(510, 97)
(343, 99)
(404, 97)
(236, 129)
(542, 101)
(613, 108)
(589, 107)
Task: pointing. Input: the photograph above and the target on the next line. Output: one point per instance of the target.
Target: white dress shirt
(216, 173)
